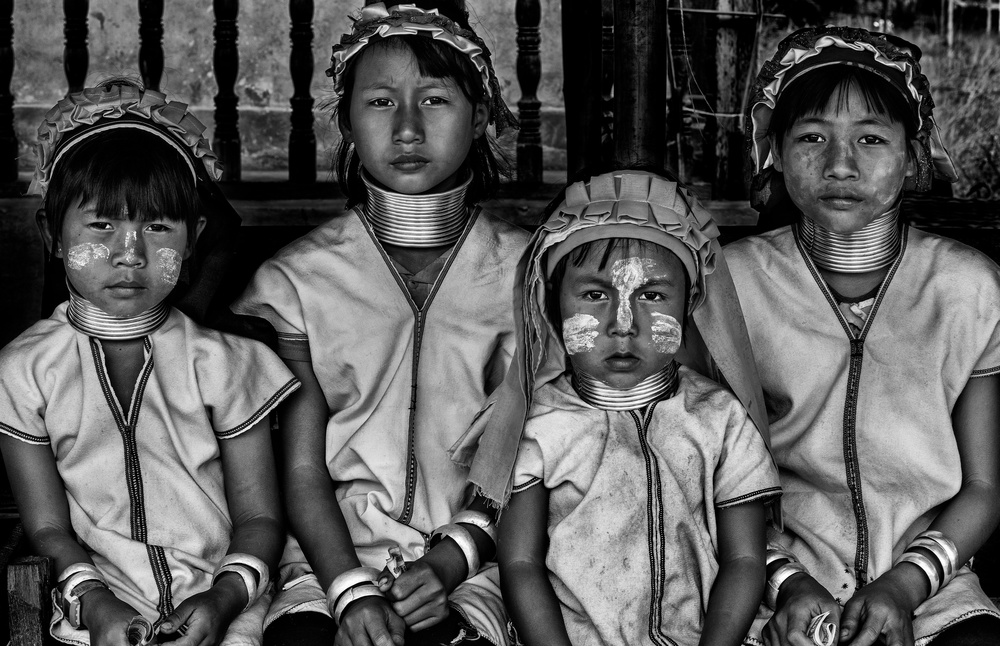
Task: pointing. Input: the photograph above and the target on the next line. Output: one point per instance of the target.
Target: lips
(410, 161)
(126, 288)
(622, 361)
(841, 199)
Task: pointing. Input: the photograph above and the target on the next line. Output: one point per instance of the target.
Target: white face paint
(81, 255)
(168, 262)
(130, 238)
(666, 333)
(627, 275)
(579, 333)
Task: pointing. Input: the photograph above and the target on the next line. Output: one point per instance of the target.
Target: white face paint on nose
(627, 275)
(81, 255)
(579, 333)
(168, 262)
(130, 240)
(666, 333)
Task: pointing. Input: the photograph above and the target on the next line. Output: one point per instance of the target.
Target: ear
(42, 222)
(480, 119)
(912, 155)
(775, 152)
(198, 228)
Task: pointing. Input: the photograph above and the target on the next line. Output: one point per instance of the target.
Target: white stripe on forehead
(627, 275)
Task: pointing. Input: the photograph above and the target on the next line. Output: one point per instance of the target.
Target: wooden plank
(29, 585)
(640, 83)
(582, 62)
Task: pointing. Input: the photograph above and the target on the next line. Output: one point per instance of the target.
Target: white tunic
(861, 427)
(145, 486)
(632, 505)
(402, 384)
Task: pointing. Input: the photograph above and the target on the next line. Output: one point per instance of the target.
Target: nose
(840, 162)
(129, 248)
(408, 125)
(623, 323)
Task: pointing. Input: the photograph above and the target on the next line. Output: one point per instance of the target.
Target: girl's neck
(661, 385)
(87, 318)
(869, 250)
(434, 220)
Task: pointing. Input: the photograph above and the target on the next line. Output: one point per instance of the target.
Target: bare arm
(739, 585)
(524, 580)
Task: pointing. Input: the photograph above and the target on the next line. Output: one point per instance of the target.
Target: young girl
(136, 441)
(395, 317)
(878, 348)
(637, 512)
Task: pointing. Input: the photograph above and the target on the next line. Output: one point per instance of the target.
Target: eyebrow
(868, 121)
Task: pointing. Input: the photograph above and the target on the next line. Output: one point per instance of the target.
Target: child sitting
(639, 489)
(878, 347)
(136, 441)
(396, 318)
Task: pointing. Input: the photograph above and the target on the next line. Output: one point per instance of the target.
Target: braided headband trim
(377, 21)
(63, 126)
(893, 60)
(137, 125)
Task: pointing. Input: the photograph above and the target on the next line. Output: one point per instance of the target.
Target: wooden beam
(582, 73)
(640, 82)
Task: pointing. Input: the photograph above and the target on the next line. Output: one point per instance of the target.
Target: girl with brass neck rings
(878, 347)
(137, 441)
(392, 314)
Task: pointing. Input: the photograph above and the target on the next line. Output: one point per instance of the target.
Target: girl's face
(622, 324)
(411, 132)
(122, 266)
(846, 165)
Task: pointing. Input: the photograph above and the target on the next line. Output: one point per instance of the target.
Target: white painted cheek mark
(168, 262)
(628, 274)
(666, 333)
(130, 238)
(81, 255)
(579, 333)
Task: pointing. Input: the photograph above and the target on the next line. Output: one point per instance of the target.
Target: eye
(872, 140)
(100, 225)
(380, 102)
(654, 297)
(157, 227)
(811, 138)
(436, 100)
(594, 295)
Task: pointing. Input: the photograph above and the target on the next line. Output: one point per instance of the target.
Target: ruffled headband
(807, 50)
(115, 104)
(625, 204)
(377, 21)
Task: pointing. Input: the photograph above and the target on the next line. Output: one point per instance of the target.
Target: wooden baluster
(76, 59)
(151, 42)
(581, 28)
(607, 81)
(528, 14)
(226, 61)
(734, 37)
(302, 140)
(640, 82)
(8, 140)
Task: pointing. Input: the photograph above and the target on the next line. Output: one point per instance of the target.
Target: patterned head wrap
(377, 21)
(624, 204)
(120, 103)
(811, 49)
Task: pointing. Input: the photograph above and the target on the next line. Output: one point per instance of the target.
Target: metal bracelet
(352, 595)
(350, 579)
(777, 579)
(479, 519)
(463, 539)
(924, 563)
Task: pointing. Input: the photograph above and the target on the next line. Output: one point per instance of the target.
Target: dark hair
(812, 92)
(579, 255)
(486, 160)
(125, 167)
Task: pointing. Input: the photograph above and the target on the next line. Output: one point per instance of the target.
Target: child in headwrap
(878, 347)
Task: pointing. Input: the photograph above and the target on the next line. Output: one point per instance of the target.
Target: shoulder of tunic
(702, 392)
(958, 271)
(49, 336)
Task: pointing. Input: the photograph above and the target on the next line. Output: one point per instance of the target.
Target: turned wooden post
(226, 61)
(8, 140)
(733, 54)
(582, 58)
(75, 56)
(302, 140)
(607, 81)
(151, 42)
(528, 14)
(640, 82)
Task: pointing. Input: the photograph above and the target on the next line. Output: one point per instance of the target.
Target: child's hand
(370, 622)
(801, 598)
(106, 617)
(207, 615)
(883, 609)
(420, 594)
